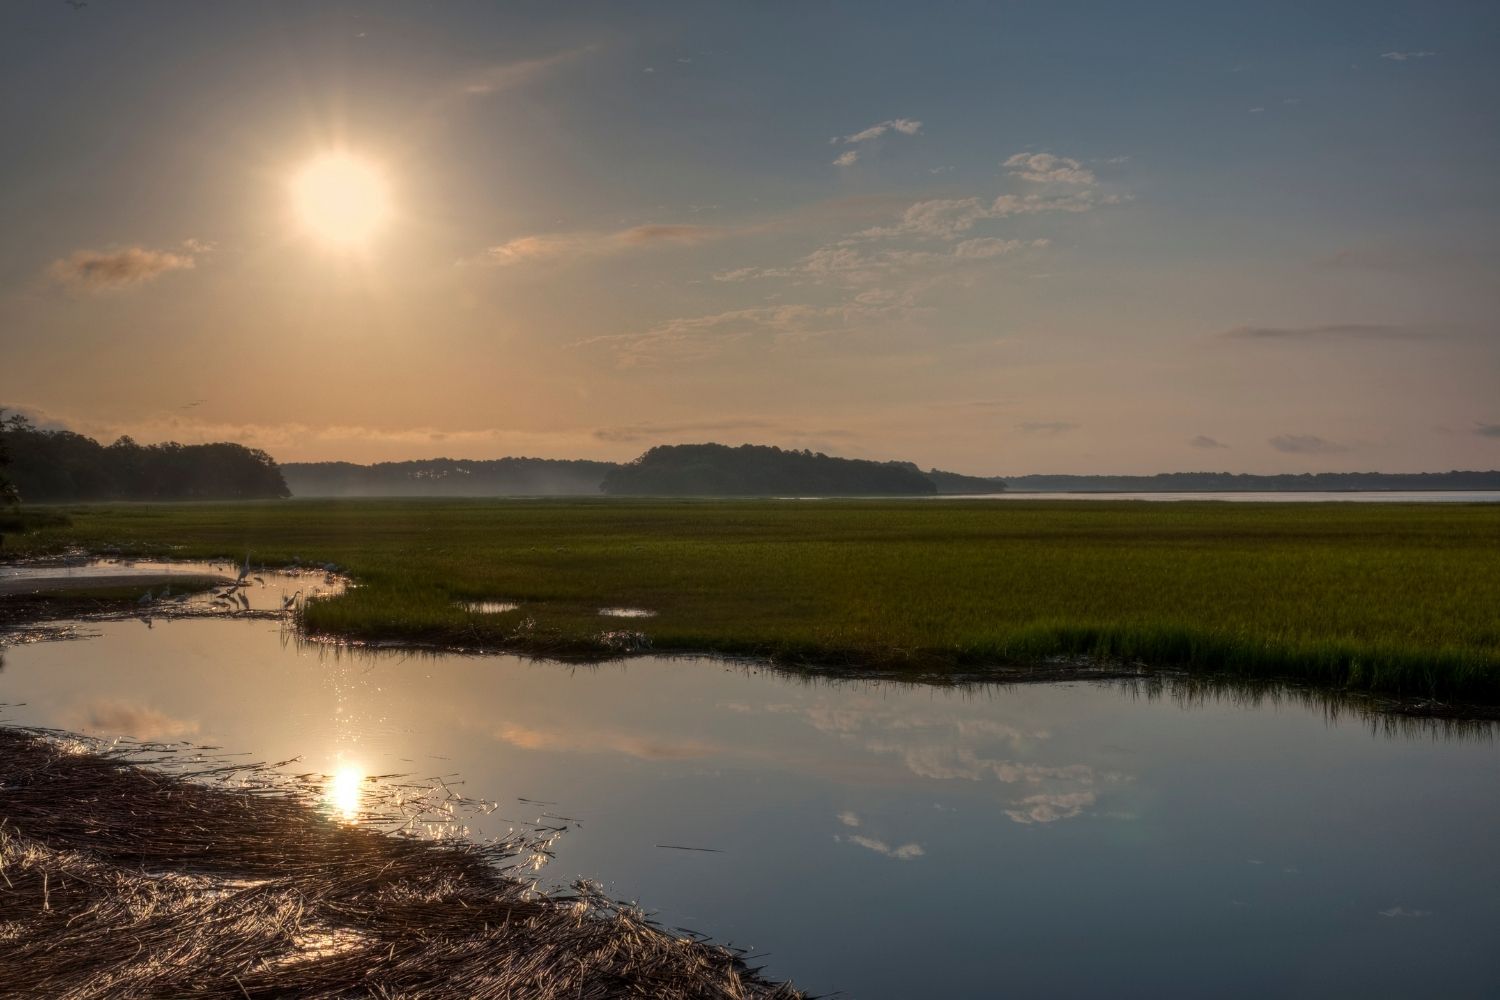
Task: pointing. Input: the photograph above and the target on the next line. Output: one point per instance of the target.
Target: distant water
(884, 839)
(1372, 496)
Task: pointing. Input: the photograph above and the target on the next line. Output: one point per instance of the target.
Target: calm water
(886, 840)
(1392, 496)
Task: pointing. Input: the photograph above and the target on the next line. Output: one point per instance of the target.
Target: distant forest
(447, 477)
(59, 466)
(1229, 482)
(442, 477)
(759, 470)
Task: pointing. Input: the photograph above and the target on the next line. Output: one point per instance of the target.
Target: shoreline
(156, 869)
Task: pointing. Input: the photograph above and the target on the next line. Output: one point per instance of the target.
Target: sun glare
(343, 791)
(341, 199)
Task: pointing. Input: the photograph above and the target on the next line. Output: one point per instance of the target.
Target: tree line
(760, 470)
(50, 466)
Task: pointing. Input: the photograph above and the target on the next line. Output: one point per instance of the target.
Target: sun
(341, 199)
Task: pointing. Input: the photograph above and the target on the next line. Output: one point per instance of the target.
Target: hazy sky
(998, 238)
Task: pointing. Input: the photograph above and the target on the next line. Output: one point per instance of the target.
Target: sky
(997, 238)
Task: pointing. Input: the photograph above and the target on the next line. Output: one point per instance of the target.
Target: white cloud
(1406, 56)
(847, 158)
(1401, 911)
(905, 126)
(1045, 168)
(849, 818)
(906, 852)
(1051, 807)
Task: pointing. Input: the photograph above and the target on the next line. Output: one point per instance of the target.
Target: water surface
(883, 839)
(1254, 496)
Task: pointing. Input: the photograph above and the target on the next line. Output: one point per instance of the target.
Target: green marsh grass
(1399, 599)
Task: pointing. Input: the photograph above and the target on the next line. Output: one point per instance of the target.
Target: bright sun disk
(341, 199)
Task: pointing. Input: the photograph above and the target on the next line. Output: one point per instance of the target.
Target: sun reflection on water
(344, 790)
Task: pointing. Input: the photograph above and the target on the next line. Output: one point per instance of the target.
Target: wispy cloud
(112, 270)
(1204, 441)
(1045, 168)
(904, 126)
(507, 76)
(1049, 807)
(1407, 56)
(849, 157)
(848, 264)
(697, 338)
(1402, 911)
(1046, 426)
(951, 218)
(1306, 444)
(905, 852)
(651, 432)
(1331, 331)
(849, 818)
(545, 247)
(971, 404)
